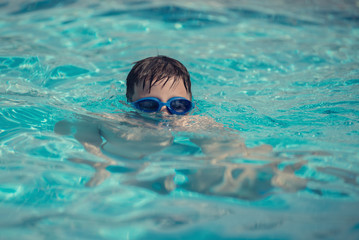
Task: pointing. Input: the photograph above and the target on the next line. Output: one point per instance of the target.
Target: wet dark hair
(155, 69)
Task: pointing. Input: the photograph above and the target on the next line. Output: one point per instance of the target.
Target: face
(163, 93)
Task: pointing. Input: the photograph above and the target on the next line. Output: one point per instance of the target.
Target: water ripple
(272, 18)
(174, 14)
(42, 5)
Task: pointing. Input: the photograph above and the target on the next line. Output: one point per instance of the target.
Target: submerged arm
(87, 133)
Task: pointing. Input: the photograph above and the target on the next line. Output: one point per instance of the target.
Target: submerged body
(134, 138)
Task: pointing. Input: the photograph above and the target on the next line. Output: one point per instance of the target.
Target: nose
(164, 110)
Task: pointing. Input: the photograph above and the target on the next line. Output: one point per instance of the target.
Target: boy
(162, 85)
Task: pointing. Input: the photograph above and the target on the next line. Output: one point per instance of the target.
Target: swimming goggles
(175, 105)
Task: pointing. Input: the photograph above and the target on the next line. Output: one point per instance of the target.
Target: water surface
(282, 73)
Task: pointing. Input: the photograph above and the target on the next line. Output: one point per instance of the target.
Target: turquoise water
(281, 73)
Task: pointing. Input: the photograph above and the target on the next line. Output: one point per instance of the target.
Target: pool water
(278, 73)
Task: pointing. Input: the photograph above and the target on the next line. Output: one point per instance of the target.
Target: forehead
(162, 89)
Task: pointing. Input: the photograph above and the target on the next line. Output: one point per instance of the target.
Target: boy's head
(159, 77)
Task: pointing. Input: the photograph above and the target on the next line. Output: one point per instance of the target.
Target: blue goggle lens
(175, 105)
(147, 105)
(181, 106)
